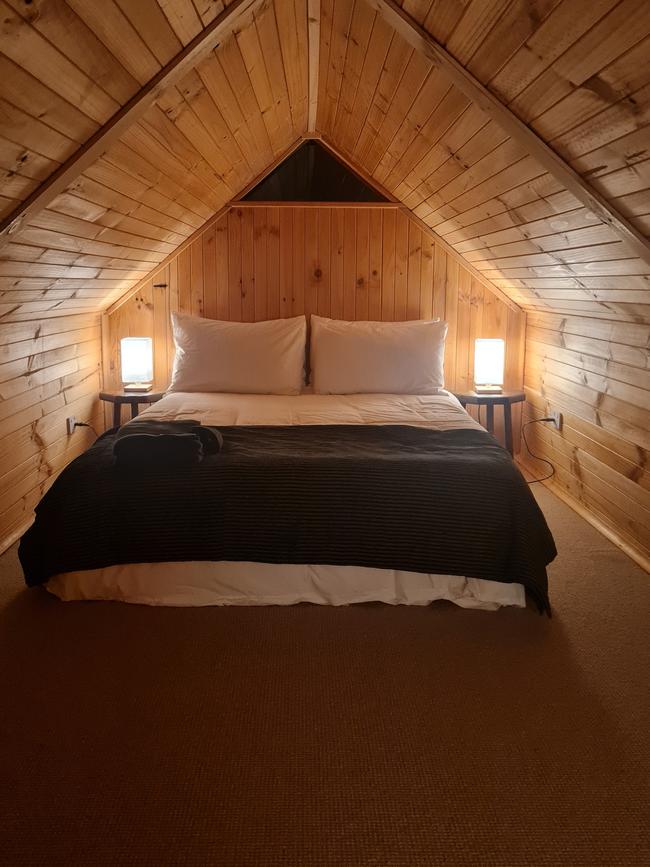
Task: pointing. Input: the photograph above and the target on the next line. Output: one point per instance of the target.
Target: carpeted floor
(368, 735)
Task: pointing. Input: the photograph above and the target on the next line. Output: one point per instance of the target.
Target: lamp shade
(489, 361)
(137, 359)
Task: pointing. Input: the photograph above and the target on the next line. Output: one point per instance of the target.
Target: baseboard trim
(15, 535)
(639, 556)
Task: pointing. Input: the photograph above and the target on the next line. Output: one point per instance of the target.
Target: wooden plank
(451, 315)
(439, 281)
(273, 269)
(161, 361)
(298, 255)
(260, 236)
(337, 290)
(388, 267)
(247, 267)
(312, 263)
(324, 258)
(534, 145)
(123, 119)
(401, 266)
(292, 24)
(313, 11)
(234, 265)
(184, 281)
(286, 263)
(196, 270)
(375, 264)
(208, 252)
(349, 263)
(414, 271)
(362, 273)
(222, 266)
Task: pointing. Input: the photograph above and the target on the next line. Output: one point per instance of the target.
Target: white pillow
(377, 357)
(239, 357)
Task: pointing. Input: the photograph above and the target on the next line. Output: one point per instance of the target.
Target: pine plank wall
(361, 262)
(49, 370)
(597, 372)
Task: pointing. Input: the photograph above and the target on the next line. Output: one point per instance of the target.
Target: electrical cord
(85, 424)
(532, 453)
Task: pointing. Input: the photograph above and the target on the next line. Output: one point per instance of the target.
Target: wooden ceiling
(577, 72)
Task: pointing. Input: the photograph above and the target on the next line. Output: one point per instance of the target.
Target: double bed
(320, 498)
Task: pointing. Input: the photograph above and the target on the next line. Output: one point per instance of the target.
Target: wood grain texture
(207, 136)
(443, 125)
(156, 81)
(597, 373)
(575, 72)
(353, 263)
(49, 369)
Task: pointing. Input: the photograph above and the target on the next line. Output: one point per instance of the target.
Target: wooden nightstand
(505, 399)
(132, 398)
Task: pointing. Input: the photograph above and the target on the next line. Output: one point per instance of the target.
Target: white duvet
(439, 411)
(227, 583)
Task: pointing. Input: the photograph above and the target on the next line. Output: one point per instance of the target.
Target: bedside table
(505, 399)
(132, 398)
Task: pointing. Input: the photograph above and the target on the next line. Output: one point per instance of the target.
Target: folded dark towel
(144, 442)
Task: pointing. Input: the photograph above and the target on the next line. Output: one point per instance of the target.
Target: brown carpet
(308, 736)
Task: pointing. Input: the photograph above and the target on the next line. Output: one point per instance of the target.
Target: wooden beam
(382, 206)
(422, 41)
(202, 44)
(313, 19)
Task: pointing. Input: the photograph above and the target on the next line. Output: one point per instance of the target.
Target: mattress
(235, 583)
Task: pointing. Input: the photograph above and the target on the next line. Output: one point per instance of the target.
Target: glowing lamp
(489, 363)
(136, 354)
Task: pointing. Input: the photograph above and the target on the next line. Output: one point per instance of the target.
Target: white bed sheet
(437, 411)
(234, 583)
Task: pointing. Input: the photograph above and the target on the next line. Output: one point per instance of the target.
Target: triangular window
(313, 174)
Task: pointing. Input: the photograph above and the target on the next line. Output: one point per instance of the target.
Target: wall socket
(556, 415)
(70, 424)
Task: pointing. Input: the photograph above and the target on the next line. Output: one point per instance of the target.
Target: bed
(322, 498)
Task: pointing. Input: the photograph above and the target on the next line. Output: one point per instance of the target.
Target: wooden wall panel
(49, 369)
(597, 373)
(259, 262)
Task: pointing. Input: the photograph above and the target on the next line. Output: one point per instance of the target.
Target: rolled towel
(151, 442)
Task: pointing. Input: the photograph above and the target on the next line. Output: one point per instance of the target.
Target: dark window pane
(312, 174)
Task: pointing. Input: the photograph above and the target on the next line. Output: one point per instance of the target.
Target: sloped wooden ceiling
(577, 71)
(66, 67)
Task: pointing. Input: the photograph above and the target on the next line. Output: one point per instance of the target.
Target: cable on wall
(85, 424)
(532, 453)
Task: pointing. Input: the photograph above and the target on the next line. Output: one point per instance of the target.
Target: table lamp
(489, 363)
(136, 355)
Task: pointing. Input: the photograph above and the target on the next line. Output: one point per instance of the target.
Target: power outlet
(557, 419)
(70, 424)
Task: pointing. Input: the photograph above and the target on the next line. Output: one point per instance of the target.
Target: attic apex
(312, 174)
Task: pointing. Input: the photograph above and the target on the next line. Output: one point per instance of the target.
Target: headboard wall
(259, 261)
